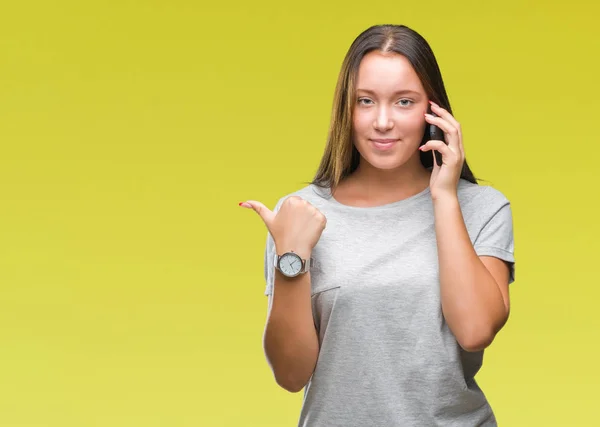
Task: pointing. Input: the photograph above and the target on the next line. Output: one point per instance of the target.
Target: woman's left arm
(474, 289)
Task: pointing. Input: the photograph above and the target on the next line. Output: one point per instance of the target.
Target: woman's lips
(383, 144)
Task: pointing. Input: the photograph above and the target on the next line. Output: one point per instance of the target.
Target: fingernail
(244, 205)
(432, 103)
(428, 115)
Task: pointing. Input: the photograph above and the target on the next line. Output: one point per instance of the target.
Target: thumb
(265, 213)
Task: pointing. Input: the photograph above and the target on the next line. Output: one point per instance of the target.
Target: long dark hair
(341, 157)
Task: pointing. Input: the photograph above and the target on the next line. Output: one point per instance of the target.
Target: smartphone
(434, 132)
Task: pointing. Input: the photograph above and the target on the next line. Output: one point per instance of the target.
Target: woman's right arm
(290, 339)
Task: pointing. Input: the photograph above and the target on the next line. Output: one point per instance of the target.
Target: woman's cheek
(361, 124)
(414, 124)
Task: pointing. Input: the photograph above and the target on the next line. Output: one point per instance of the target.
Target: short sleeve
(269, 264)
(496, 236)
(270, 258)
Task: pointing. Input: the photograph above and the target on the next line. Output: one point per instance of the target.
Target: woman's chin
(389, 163)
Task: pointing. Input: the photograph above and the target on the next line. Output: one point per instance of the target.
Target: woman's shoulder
(480, 196)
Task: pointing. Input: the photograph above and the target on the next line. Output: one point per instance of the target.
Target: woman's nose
(383, 120)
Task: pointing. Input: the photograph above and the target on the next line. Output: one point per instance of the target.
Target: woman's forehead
(387, 72)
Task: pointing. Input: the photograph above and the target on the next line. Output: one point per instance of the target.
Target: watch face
(290, 264)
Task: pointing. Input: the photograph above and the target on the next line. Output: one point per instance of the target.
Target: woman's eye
(402, 102)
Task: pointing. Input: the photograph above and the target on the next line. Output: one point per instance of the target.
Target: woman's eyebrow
(398, 92)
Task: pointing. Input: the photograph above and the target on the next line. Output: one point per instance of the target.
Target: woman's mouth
(384, 144)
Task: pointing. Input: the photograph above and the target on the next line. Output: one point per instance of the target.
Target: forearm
(472, 302)
(290, 339)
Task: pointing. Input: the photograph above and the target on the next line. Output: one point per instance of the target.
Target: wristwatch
(291, 265)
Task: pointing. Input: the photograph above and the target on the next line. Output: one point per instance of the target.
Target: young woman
(388, 274)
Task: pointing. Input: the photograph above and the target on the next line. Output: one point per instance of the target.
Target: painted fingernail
(428, 115)
(432, 103)
(244, 205)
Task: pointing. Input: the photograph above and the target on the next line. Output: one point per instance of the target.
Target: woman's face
(389, 111)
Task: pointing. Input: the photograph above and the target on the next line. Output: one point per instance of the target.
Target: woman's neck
(369, 186)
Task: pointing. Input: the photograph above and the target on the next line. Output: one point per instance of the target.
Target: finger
(450, 118)
(442, 123)
(441, 147)
(435, 144)
(450, 132)
(443, 113)
(265, 213)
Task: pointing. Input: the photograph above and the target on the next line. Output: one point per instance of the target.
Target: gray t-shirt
(387, 357)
